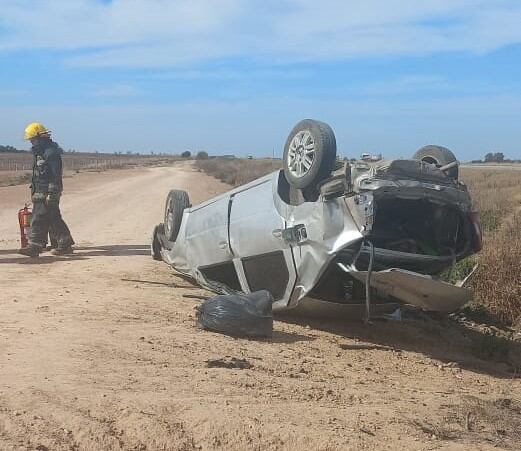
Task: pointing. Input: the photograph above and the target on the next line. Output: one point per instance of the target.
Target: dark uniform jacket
(47, 168)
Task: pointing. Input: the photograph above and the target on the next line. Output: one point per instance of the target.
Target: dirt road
(99, 351)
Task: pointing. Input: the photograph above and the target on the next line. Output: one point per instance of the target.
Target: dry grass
(497, 283)
(497, 196)
(15, 168)
(11, 178)
(495, 193)
(238, 171)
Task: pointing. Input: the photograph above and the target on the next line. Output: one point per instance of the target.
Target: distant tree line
(200, 155)
(10, 149)
(495, 157)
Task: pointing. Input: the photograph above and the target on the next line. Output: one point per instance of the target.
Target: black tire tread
(441, 155)
(176, 201)
(155, 247)
(327, 137)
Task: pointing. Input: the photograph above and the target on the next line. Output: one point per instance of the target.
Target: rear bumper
(417, 289)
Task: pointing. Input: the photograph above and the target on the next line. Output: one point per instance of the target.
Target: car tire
(176, 202)
(309, 153)
(155, 245)
(438, 155)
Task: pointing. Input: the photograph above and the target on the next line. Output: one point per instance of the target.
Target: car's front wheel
(176, 202)
(309, 153)
(155, 245)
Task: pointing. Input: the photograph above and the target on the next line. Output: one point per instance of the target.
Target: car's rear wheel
(440, 156)
(176, 202)
(309, 153)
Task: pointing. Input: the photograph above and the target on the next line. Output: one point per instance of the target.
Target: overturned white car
(366, 234)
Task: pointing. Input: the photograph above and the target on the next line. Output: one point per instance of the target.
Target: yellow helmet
(35, 129)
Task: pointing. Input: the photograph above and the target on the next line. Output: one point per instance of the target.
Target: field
(497, 283)
(497, 196)
(15, 168)
(238, 171)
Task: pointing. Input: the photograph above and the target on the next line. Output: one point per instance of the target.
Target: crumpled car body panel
(252, 238)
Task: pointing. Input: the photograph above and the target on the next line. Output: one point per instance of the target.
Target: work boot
(52, 245)
(30, 251)
(62, 250)
(64, 246)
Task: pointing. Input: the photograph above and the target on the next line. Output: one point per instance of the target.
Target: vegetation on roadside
(202, 155)
(497, 282)
(238, 171)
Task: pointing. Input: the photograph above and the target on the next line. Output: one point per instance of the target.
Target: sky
(234, 76)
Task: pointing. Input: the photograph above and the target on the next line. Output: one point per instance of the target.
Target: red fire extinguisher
(24, 219)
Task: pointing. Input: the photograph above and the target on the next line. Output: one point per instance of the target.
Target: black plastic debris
(247, 315)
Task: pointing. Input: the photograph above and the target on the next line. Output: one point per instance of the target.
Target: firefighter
(46, 189)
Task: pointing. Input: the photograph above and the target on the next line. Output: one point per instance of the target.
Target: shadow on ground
(287, 337)
(114, 250)
(477, 348)
(164, 284)
(80, 253)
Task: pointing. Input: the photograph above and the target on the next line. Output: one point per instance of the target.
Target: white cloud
(155, 33)
(232, 74)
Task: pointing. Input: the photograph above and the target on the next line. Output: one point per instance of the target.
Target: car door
(263, 258)
(208, 247)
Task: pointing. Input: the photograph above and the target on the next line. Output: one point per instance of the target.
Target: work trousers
(48, 216)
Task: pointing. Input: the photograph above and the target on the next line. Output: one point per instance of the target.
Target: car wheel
(440, 156)
(176, 202)
(155, 245)
(309, 153)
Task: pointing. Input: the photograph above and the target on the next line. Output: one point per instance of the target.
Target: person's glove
(53, 198)
(39, 197)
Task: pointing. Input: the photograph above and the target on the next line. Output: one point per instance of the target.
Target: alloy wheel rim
(301, 154)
